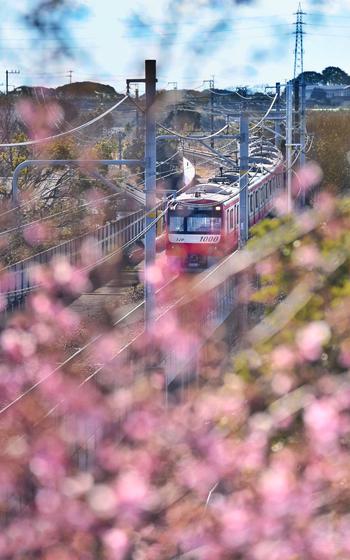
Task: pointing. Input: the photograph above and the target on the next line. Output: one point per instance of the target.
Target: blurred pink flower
(103, 501)
(275, 549)
(306, 178)
(35, 234)
(322, 421)
(42, 304)
(65, 275)
(238, 526)
(17, 344)
(311, 339)
(277, 487)
(307, 256)
(41, 120)
(48, 501)
(281, 383)
(140, 425)
(266, 267)
(116, 544)
(132, 491)
(283, 357)
(197, 475)
(153, 274)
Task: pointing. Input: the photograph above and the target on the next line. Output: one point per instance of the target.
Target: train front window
(176, 224)
(203, 224)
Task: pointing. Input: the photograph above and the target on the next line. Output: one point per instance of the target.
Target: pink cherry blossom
(311, 339)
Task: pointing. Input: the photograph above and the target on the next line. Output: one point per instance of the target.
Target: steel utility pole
(211, 87)
(289, 142)
(120, 136)
(7, 78)
(150, 80)
(243, 216)
(302, 124)
(278, 114)
(150, 190)
(174, 84)
(243, 179)
(296, 113)
(137, 113)
(70, 75)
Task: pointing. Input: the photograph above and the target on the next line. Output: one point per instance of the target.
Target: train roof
(220, 188)
(208, 192)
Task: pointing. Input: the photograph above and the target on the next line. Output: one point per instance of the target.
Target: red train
(202, 223)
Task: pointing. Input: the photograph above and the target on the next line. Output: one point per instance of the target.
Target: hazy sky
(238, 44)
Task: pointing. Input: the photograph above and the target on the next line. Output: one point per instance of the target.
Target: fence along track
(107, 237)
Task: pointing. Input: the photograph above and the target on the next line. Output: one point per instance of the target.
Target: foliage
(184, 120)
(331, 146)
(311, 78)
(332, 75)
(249, 462)
(242, 91)
(63, 149)
(86, 89)
(135, 149)
(106, 149)
(252, 463)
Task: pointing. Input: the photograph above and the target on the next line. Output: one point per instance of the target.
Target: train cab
(196, 226)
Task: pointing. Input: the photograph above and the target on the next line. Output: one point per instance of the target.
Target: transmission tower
(299, 46)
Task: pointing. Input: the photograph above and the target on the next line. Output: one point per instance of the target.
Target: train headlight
(218, 208)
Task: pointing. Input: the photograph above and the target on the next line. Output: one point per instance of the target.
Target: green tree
(135, 149)
(311, 78)
(63, 149)
(332, 75)
(185, 119)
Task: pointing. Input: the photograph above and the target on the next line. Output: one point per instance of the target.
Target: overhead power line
(266, 114)
(183, 137)
(67, 132)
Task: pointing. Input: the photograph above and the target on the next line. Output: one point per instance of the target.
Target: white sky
(252, 44)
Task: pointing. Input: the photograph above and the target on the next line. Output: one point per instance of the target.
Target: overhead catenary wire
(79, 351)
(17, 228)
(189, 137)
(222, 94)
(183, 136)
(86, 234)
(48, 217)
(28, 202)
(266, 114)
(174, 305)
(235, 92)
(42, 380)
(91, 341)
(67, 132)
(95, 339)
(30, 389)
